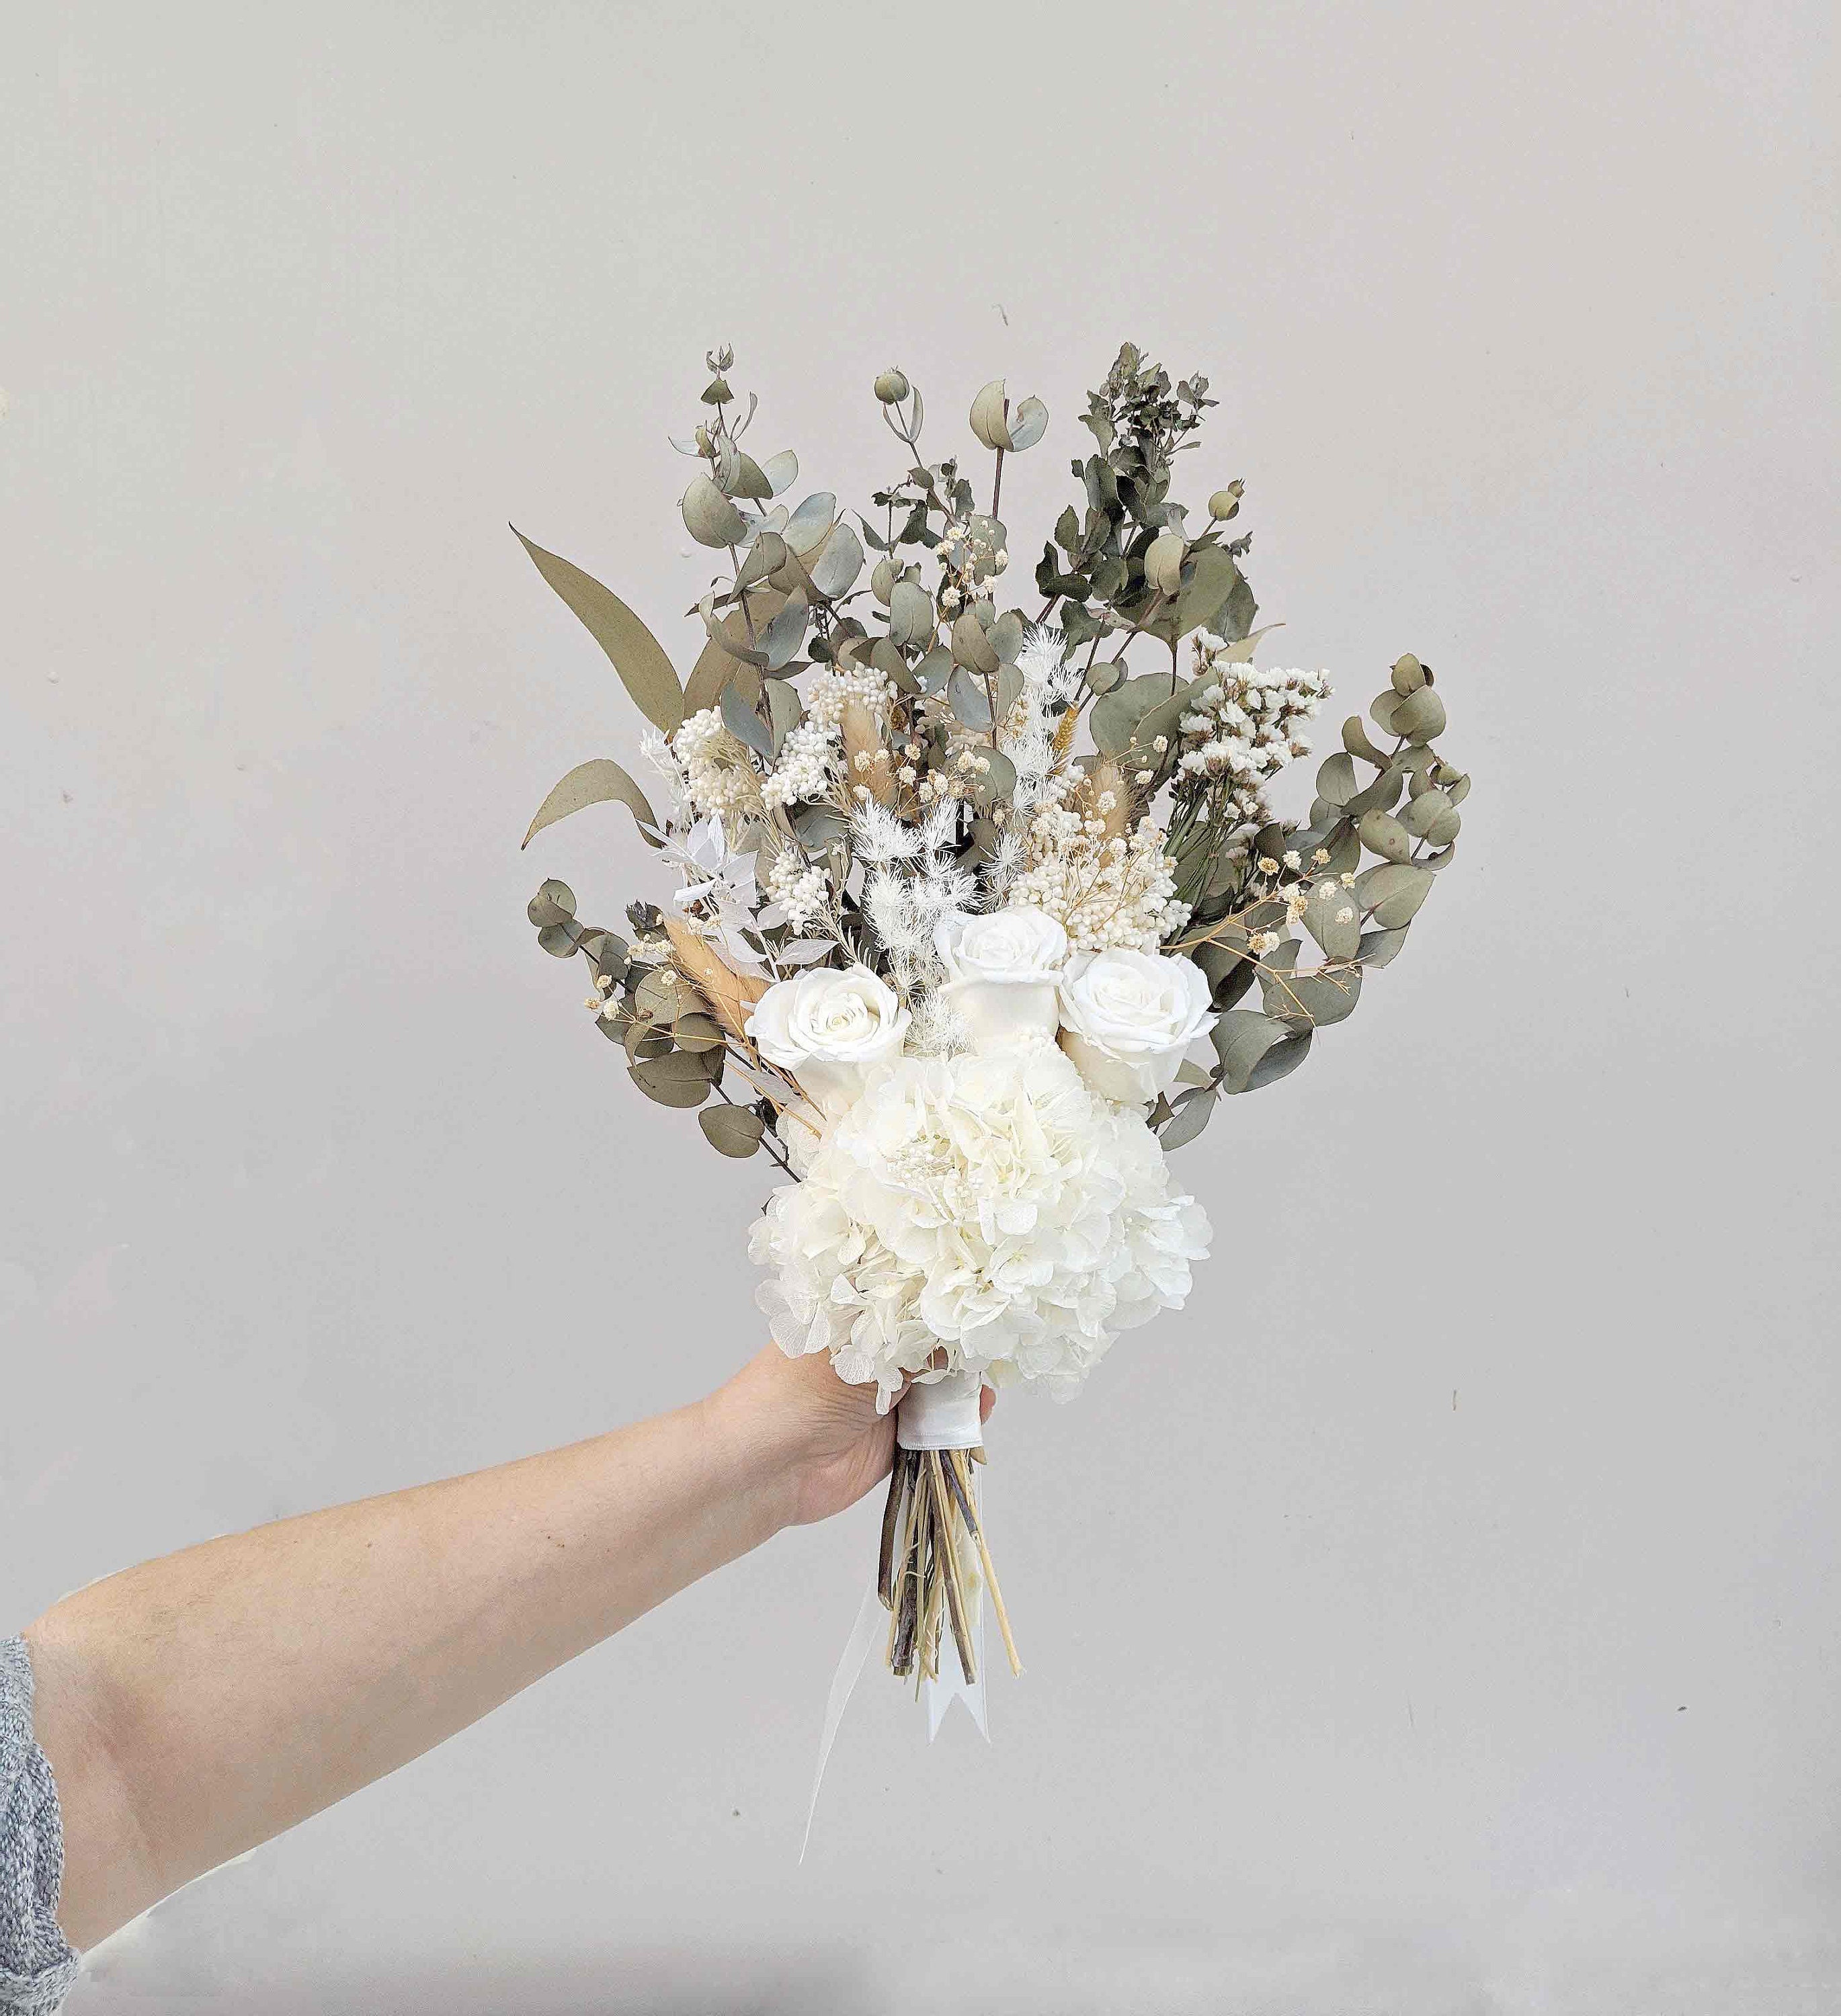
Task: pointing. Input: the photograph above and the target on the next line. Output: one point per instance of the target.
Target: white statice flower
(1106, 889)
(719, 767)
(989, 1205)
(1244, 723)
(829, 1029)
(1127, 1017)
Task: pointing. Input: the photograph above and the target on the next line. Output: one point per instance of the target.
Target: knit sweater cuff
(37, 1963)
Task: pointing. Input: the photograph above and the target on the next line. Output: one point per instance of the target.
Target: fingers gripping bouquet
(968, 902)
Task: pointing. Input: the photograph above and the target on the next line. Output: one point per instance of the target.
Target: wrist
(754, 1447)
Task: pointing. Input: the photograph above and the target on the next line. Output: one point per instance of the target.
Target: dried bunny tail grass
(1102, 793)
(731, 995)
(866, 761)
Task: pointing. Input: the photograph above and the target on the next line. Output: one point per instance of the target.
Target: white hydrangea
(988, 1204)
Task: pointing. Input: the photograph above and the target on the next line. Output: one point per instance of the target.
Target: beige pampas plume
(730, 995)
(866, 761)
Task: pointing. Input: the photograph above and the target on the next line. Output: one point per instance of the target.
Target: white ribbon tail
(872, 1620)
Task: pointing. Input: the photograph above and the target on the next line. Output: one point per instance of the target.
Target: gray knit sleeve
(37, 1965)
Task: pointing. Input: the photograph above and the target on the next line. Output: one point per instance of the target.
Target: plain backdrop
(1439, 1615)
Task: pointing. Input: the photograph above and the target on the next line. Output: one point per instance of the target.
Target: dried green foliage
(1153, 722)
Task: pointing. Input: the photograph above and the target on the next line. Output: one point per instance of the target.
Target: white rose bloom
(987, 1204)
(1128, 1016)
(1002, 971)
(829, 1030)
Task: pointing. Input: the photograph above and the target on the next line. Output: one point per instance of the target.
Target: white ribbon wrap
(942, 1416)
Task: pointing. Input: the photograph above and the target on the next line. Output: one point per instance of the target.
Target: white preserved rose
(1128, 1016)
(988, 1204)
(1002, 971)
(829, 1028)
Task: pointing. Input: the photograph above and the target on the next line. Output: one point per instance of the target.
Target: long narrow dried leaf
(636, 654)
(599, 781)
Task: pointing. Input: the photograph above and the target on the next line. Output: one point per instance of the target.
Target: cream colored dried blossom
(1106, 889)
(718, 768)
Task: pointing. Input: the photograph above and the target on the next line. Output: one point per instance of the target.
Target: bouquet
(974, 903)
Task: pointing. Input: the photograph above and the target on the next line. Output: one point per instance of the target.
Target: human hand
(821, 1444)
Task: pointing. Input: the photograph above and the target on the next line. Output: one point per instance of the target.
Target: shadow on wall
(620, 1983)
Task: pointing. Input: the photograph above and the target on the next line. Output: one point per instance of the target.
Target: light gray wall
(1440, 1615)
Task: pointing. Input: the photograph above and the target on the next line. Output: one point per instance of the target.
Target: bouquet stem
(935, 1557)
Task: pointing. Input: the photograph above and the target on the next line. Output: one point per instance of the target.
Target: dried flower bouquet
(966, 903)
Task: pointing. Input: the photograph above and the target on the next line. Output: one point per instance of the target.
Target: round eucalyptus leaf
(1320, 996)
(912, 619)
(1432, 816)
(1420, 716)
(1241, 1038)
(676, 1079)
(997, 784)
(558, 941)
(697, 1032)
(1391, 891)
(554, 903)
(1336, 781)
(1355, 739)
(709, 516)
(1382, 833)
(731, 1130)
(1409, 674)
(1333, 918)
(1380, 710)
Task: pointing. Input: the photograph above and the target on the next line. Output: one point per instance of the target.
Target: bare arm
(198, 1704)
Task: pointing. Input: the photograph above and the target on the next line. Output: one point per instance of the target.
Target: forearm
(196, 1705)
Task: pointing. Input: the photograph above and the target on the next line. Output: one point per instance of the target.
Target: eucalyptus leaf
(1378, 948)
(911, 617)
(1332, 918)
(1322, 995)
(743, 722)
(1194, 1110)
(806, 529)
(636, 654)
(1336, 780)
(786, 633)
(676, 1079)
(554, 903)
(1213, 580)
(558, 941)
(967, 698)
(781, 471)
(1382, 833)
(1391, 891)
(1420, 716)
(710, 517)
(731, 1130)
(1117, 713)
(1241, 1038)
(835, 569)
(597, 782)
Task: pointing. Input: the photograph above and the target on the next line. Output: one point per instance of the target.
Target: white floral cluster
(1245, 722)
(912, 884)
(1106, 888)
(810, 759)
(989, 1204)
(804, 893)
(719, 770)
